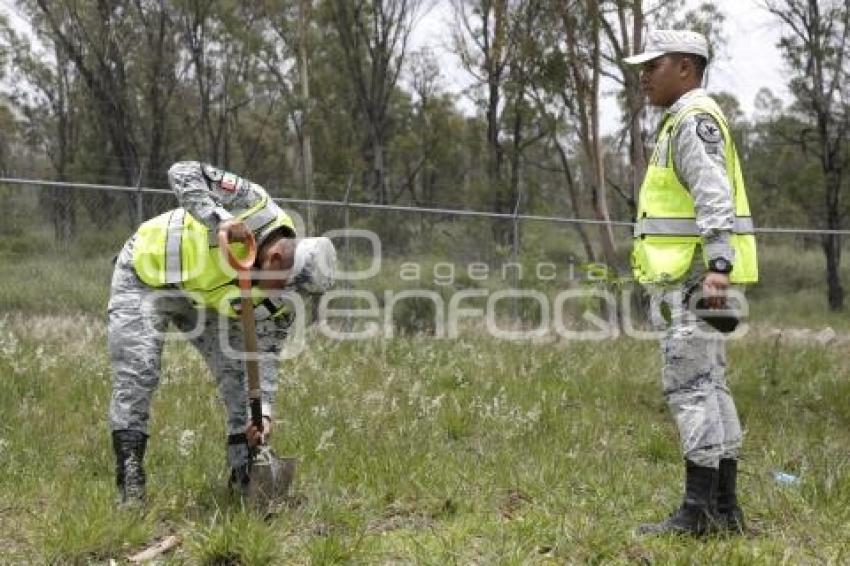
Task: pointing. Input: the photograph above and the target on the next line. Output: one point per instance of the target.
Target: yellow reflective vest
(175, 249)
(666, 235)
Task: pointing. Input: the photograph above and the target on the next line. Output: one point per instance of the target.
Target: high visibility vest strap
(685, 226)
(256, 219)
(255, 222)
(703, 105)
(173, 247)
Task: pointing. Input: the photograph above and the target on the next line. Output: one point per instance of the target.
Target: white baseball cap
(315, 265)
(662, 41)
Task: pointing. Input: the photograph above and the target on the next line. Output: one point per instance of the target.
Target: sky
(749, 61)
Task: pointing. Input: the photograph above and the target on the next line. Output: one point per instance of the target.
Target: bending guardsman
(171, 271)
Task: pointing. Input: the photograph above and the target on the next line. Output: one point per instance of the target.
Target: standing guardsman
(173, 272)
(693, 237)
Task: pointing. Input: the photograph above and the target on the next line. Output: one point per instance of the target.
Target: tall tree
(224, 42)
(305, 10)
(292, 23)
(583, 56)
(623, 26)
(156, 82)
(46, 94)
(92, 36)
(815, 46)
(525, 125)
(482, 39)
(374, 38)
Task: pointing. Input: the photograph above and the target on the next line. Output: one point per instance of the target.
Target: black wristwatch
(720, 265)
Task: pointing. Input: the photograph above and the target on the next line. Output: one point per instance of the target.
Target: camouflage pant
(138, 316)
(693, 378)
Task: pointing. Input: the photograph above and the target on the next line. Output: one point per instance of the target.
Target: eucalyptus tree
(498, 44)
(97, 37)
(623, 23)
(288, 58)
(228, 112)
(815, 44)
(156, 81)
(374, 37)
(581, 42)
(548, 82)
(45, 95)
(429, 141)
(121, 58)
(483, 41)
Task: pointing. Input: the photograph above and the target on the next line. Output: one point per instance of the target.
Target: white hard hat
(662, 41)
(315, 265)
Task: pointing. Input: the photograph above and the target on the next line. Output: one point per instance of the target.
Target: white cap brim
(315, 263)
(641, 58)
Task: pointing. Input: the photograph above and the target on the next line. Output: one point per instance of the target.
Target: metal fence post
(515, 260)
(346, 263)
(140, 211)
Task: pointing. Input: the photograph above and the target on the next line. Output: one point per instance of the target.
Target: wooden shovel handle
(249, 328)
(239, 265)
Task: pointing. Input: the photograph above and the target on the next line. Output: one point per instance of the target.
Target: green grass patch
(417, 450)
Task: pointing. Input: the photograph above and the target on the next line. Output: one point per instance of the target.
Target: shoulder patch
(708, 130)
(229, 181)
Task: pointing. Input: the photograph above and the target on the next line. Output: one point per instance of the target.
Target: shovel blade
(271, 477)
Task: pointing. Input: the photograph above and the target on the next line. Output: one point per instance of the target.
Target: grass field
(419, 451)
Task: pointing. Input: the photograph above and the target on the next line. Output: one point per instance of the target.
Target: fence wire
(401, 208)
(444, 251)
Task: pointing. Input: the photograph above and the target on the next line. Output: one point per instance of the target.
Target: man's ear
(274, 259)
(280, 255)
(683, 66)
(687, 68)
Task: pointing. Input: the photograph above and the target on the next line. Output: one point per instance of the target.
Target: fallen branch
(152, 552)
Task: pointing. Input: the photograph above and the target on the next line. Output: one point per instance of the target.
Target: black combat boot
(730, 517)
(239, 459)
(129, 446)
(696, 515)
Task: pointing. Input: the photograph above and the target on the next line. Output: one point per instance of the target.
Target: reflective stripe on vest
(173, 247)
(255, 221)
(685, 226)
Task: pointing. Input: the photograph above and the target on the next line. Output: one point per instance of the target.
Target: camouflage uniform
(138, 316)
(693, 353)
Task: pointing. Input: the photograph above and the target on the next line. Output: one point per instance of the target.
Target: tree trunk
(597, 155)
(379, 184)
(516, 160)
(834, 291)
(832, 243)
(574, 201)
(306, 142)
(493, 51)
(495, 158)
(635, 104)
(63, 210)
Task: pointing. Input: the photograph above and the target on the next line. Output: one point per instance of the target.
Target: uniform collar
(684, 100)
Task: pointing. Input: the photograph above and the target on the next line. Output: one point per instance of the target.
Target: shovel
(271, 476)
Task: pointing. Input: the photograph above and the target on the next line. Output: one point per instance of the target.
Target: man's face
(663, 79)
